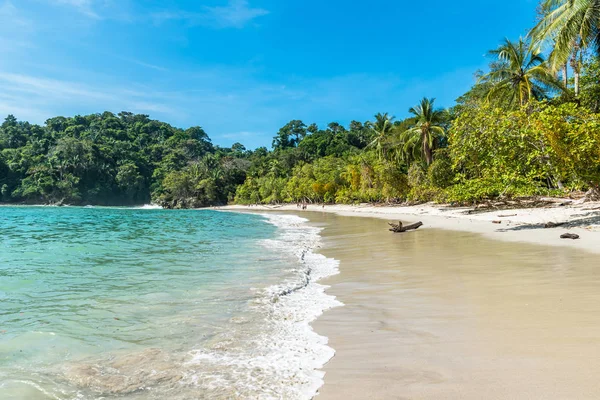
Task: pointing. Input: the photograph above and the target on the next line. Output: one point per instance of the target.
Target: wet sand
(436, 314)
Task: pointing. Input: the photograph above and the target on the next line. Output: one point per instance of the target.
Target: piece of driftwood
(569, 236)
(496, 222)
(506, 216)
(554, 224)
(399, 228)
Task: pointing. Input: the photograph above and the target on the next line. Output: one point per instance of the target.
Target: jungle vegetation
(530, 125)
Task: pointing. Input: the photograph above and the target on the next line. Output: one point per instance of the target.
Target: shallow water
(143, 304)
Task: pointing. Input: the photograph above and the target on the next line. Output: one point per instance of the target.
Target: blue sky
(242, 69)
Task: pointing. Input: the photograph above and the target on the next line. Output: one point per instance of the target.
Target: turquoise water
(144, 303)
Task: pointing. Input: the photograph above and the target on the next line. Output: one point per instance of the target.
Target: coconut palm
(428, 125)
(569, 27)
(519, 74)
(382, 127)
(568, 23)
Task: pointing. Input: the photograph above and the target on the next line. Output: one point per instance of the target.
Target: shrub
(476, 190)
(417, 175)
(440, 173)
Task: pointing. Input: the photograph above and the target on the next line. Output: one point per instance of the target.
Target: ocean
(102, 303)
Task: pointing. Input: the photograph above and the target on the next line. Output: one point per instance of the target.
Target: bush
(440, 173)
(476, 190)
(417, 176)
(425, 194)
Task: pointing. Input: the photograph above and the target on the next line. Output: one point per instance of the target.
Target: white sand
(450, 315)
(521, 225)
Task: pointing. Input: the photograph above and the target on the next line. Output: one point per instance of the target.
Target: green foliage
(517, 132)
(568, 25)
(480, 189)
(417, 175)
(427, 130)
(541, 145)
(440, 173)
(590, 85)
(519, 74)
(108, 159)
(330, 180)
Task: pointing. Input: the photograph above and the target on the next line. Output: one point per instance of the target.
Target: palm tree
(381, 127)
(520, 74)
(428, 125)
(571, 26)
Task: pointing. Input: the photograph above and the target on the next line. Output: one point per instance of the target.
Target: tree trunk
(427, 152)
(576, 66)
(399, 228)
(565, 72)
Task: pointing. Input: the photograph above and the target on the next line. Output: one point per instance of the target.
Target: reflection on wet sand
(448, 315)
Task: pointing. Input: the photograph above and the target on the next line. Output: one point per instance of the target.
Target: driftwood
(554, 224)
(569, 236)
(399, 228)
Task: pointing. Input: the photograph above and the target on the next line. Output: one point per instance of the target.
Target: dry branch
(399, 228)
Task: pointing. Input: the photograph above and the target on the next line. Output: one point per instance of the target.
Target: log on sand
(399, 228)
(569, 236)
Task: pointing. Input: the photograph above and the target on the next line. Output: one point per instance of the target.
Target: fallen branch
(554, 224)
(569, 236)
(399, 228)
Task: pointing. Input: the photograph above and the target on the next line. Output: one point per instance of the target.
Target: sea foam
(284, 359)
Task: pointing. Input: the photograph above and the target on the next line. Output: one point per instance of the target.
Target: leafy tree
(590, 84)
(289, 135)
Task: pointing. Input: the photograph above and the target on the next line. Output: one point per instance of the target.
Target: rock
(569, 236)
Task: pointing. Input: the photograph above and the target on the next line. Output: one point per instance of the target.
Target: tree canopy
(519, 131)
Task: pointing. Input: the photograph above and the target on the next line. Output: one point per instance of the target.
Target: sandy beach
(516, 225)
(447, 312)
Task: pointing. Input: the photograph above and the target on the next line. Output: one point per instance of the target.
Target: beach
(514, 225)
(449, 312)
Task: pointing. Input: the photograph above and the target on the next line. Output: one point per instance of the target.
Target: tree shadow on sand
(578, 221)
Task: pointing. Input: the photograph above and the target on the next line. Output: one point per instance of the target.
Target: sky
(241, 69)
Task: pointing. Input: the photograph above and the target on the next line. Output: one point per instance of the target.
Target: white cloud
(37, 98)
(10, 14)
(15, 30)
(145, 64)
(83, 6)
(238, 135)
(236, 14)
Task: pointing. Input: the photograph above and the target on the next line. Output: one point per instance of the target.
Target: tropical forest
(529, 126)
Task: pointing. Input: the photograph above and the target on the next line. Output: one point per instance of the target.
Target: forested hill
(108, 159)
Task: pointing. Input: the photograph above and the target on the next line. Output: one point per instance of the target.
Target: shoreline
(517, 225)
(503, 329)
